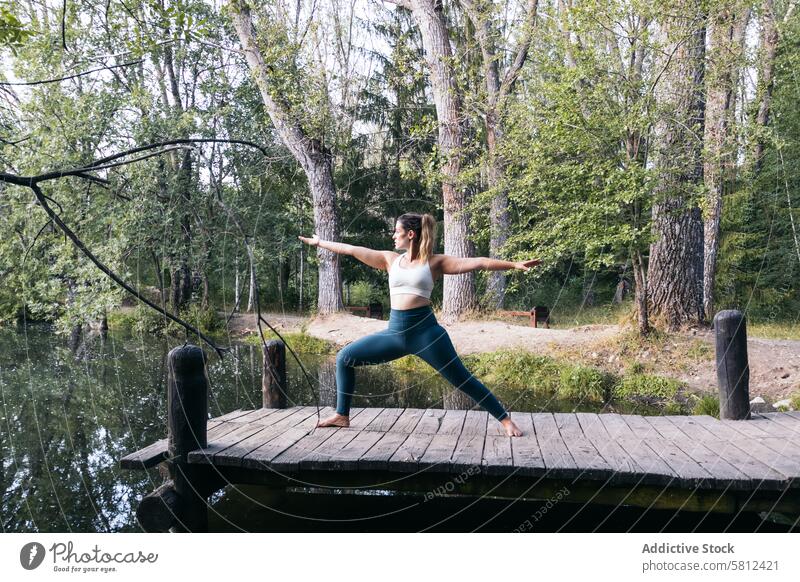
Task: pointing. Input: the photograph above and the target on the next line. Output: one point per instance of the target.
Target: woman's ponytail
(425, 227)
(427, 238)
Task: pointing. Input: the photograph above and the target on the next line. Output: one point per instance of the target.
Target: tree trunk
(312, 156)
(499, 223)
(769, 46)
(459, 290)
(251, 293)
(726, 42)
(236, 286)
(675, 285)
(480, 14)
(640, 293)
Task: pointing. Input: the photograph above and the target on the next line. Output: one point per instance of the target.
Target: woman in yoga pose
(412, 325)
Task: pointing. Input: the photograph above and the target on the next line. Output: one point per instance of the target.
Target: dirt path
(774, 364)
(774, 367)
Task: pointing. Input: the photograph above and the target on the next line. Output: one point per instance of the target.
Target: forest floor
(686, 356)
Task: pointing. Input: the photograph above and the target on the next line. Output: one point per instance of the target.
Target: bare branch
(42, 200)
(68, 77)
(522, 51)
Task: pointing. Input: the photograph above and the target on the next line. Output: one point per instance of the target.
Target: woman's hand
(526, 265)
(313, 241)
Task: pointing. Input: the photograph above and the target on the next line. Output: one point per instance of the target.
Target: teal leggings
(411, 331)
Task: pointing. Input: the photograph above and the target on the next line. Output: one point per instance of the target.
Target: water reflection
(67, 417)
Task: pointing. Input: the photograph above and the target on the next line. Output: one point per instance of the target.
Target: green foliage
(707, 404)
(516, 369)
(13, 32)
(300, 342)
(646, 386)
(207, 320)
(364, 292)
(584, 383)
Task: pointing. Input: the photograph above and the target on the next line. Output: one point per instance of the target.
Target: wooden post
(187, 413)
(540, 313)
(158, 511)
(733, 371)
(273, 380)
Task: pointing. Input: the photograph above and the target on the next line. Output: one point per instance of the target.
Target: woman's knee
(343, 358)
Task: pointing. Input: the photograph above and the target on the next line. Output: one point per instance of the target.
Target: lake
(67, 417)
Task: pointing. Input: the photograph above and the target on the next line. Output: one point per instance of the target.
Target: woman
(412, 325)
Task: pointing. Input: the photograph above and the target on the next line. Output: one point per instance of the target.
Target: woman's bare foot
(335, 420)
(512, 429)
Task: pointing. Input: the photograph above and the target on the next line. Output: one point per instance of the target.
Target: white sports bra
(417, 280)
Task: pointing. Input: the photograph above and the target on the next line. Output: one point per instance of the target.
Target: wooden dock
(695, 463)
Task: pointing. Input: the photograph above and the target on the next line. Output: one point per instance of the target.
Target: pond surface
(68, 416)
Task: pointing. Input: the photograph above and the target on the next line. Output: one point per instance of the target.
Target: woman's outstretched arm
(376, 259)
(458, 265)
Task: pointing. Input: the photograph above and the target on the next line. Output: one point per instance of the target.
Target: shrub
(363, 293)
(635, 367)
(795, 400)
(300, 342)
(707, 404)
(673, 407)
(516, 369)
(122, 321)
(646, 386)
(148, 320)
(582, 383)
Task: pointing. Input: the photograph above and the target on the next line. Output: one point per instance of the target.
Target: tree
(459, 290)
(727, 24)
(499, 86)
(312, 154)
(675, 285)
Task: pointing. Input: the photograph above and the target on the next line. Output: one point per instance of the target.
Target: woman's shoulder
(390, 257)
(436, 260)
(435, 264)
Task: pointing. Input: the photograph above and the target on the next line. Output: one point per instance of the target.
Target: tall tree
(675, 285)
(312, 154)
(726, 33)
(499, 86)
(459, 290)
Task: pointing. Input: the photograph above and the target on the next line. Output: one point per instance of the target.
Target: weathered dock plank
(779, 425)
(557, 458)
(266, 444)
(289, 459)
(693, 429)
(385, 420)
(377, 457)
(688, 472)
(525, 452)
(408, 420)
(761, 475)
(468, 451)
(586, 456)
(619, 459)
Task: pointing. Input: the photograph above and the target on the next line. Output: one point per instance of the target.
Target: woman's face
(402, 237)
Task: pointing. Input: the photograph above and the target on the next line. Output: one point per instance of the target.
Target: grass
(773, 330)
(547, 377)
(301, 342)
(647, 387)
(568, 316)
(143, 319)
(707, 404)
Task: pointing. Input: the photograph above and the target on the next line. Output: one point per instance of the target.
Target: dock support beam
(180, 504)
